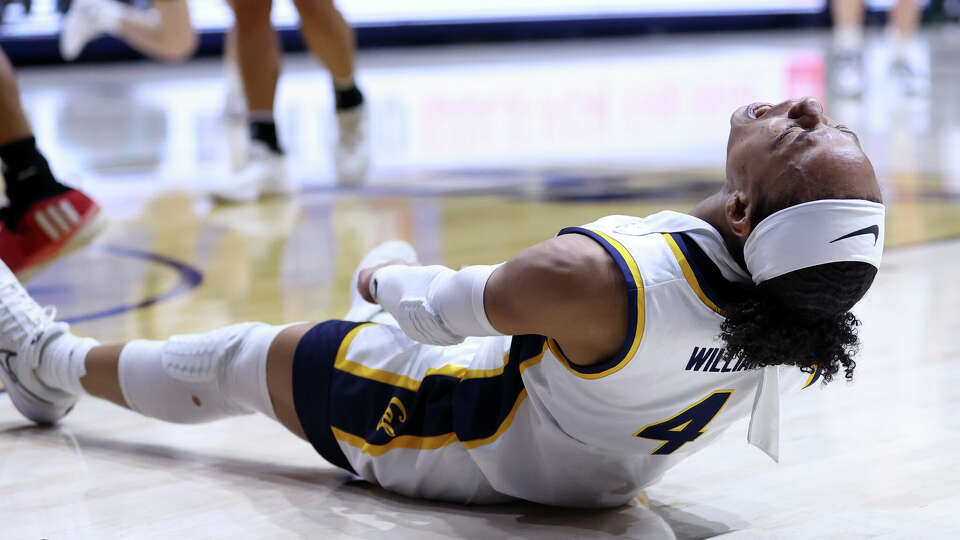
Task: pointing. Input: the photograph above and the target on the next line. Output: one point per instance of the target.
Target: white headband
(813, 233)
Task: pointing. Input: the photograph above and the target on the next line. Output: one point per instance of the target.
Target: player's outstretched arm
(567, 288)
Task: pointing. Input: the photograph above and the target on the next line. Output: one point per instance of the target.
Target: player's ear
(737, 210)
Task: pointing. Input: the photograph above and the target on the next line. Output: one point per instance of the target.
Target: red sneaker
(51, 227)
(11, 248)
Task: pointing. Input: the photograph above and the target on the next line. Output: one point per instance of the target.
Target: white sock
(63, 362)
(900, 44)
(848, 38)
(110, 15)
(200, 377)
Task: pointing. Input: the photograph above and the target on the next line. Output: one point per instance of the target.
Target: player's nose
(807, 111)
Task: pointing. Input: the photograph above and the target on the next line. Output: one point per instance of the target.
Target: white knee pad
(197, 378)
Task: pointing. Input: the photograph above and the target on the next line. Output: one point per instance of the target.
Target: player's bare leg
(331, 39)
(164, 31)
(847, 13)
(848, 68)
(910, 61)
(258, 52)
(173, 39)
(15, 125)
(258, 57)
(905, 17)
(30, 235)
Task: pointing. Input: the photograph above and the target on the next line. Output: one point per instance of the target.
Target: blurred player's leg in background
(909, 60)
(911, 63)
(235, 106)
(331, 40)
(164, 31)
(258, 54)
(848, 65)
(43, 218)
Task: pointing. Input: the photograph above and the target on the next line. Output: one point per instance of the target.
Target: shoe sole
(91, 227)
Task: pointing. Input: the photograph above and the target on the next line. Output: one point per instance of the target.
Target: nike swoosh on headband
(873, 229)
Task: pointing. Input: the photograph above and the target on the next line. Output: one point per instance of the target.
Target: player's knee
(197, 378)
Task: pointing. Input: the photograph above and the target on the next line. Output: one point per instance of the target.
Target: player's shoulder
(572, 265)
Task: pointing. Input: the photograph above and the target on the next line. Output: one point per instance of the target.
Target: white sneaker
(263, 174)
(25, 328)
(848, 74)
(360, 309)
(352, 153)
(86, 20)
(912, 76)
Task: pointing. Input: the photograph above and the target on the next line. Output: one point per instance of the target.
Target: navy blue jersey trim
(481, 405)
(720, 291)
(632, 312)
(814, 377)
(312, 376)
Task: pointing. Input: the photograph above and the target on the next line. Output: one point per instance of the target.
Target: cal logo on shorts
(386, 421)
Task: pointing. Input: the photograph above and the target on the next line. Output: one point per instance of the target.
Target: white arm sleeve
(434, 304)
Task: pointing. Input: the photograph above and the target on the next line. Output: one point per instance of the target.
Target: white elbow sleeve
(434, 304)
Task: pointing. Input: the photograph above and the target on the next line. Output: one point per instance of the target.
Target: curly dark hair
(800, 319)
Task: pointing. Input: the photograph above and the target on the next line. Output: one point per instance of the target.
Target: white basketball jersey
(595, 436)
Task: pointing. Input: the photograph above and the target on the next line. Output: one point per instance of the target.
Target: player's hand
(363, 279)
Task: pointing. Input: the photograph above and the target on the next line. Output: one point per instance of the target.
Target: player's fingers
(363, 279)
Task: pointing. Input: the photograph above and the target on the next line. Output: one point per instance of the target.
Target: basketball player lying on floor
(574, 374)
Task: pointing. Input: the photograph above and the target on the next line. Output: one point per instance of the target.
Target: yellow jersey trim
(411, 442)
(641, 311)
(689, 275)
(402, 381)
(813, 377)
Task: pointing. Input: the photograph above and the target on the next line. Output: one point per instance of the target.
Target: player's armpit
(567, 288)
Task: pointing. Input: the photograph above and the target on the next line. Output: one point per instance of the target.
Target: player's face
(794, 147)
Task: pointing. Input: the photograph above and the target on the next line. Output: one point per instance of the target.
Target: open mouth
(757, 110)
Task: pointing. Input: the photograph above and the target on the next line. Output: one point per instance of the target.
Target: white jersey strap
(764, 431)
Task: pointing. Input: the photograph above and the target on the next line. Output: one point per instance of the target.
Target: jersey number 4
(686, 425)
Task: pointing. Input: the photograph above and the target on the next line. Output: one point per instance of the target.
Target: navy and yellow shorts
(402, 414)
